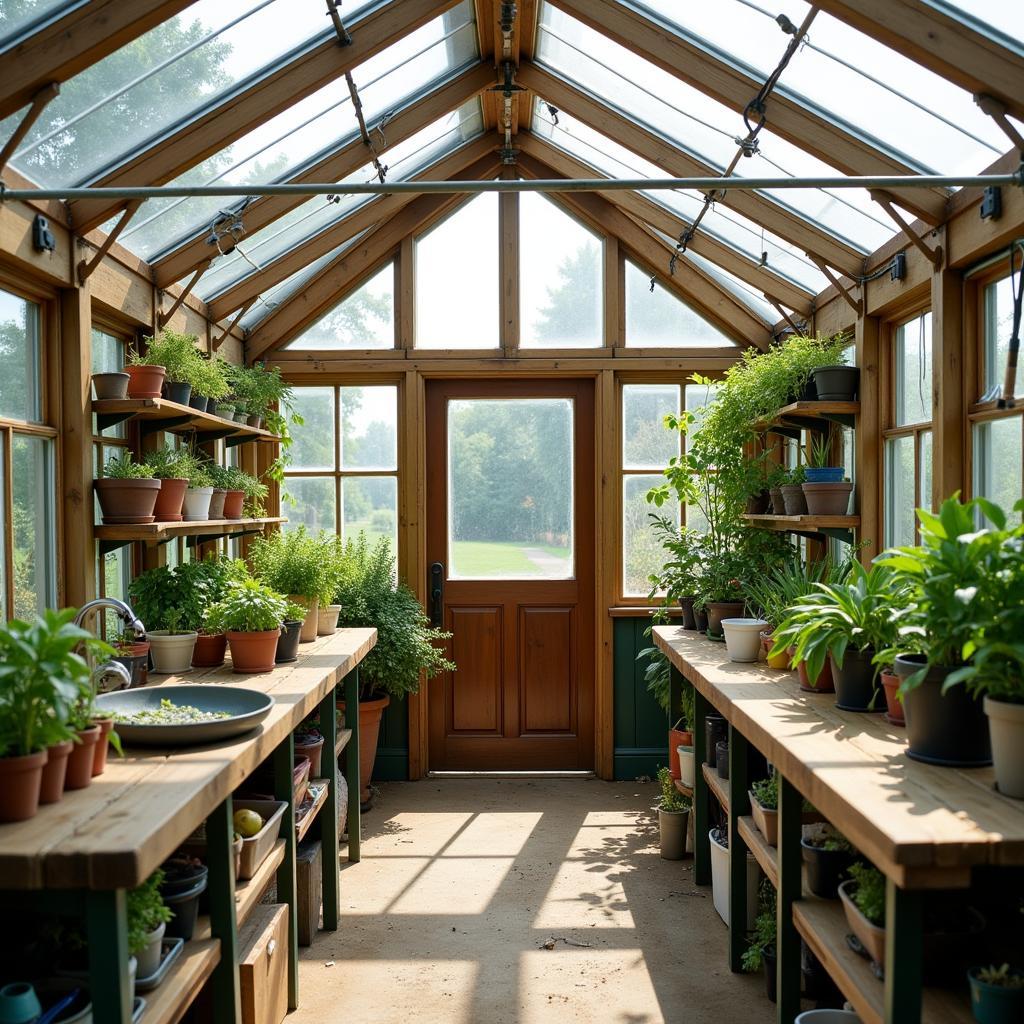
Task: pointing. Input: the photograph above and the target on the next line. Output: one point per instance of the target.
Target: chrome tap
(111, 675)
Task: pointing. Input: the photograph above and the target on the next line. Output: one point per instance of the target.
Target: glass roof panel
(316, 214)
(700, 125)
(910, 109)
(1003, 16)
(165, 77)
(278, 148)
(22, 18)
(284, 290)
(726, 225)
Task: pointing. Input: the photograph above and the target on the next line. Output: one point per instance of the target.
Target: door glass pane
(510, 488)
(646, 442)
(998, 327)
(309, 501)
(369, 428)
(20, 397)
(313, 442)
(899, 491)
(914, 371)
(370, 506)
(365, 319)
(642, 553)
(997, 462)
(32, 500)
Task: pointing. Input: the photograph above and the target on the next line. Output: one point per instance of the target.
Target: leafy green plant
(291, 562)
(258, 388)
(657, 677)
(210, 379)
(124, 467)
(176, 598)
(820, 454)
(294, 612)
(1003, 976)
(681, 574)
(247, 607)
(178, 353)
(766, 792)
(671, 800)
(146, 911)
(762, 938)
(828, 837)
(43, 680)
(405, 648)
(774, 592)
(795, 476)
(869, 892)
(172, 463)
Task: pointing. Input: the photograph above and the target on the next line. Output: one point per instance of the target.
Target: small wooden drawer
(263, 965)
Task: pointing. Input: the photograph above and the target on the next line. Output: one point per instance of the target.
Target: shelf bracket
(109, 546)
(164, 318)
(39, 101)
(885, 201)
(222, 337)
(855, 304)
(996, 109)
(85, 268)
(147, 427)
(797, 328)
(111, 419)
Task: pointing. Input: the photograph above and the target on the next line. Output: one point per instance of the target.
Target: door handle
(436, 594)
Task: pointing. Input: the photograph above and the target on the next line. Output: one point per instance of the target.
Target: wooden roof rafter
(256, 101)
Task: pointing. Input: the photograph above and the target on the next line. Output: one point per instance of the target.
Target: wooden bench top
(922, 825)
(116, 832)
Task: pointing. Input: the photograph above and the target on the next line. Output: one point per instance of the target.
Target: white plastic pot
(720, 882)
(327, 619)
(827, 1017)
(149, 957)
(743, 638)
(196, 508)
(1006, 728)
(171, 652)
(685, 755)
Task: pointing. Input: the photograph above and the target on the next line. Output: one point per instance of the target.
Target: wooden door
(510, 537)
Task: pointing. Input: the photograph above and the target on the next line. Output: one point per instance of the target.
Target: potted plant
(111, 385)
(997, 994)
(407, 646)
(42, 678)
(764, 808)
(893, 700)
(127, 491)
(760, 951)
(773, 592)
(171, 602)
(209, 384)
(948, 580)
(309, 742)
(719, 839)
(251, 614)
(199, 494)
(258, 389)
(291, 630)
(826, 489)
(679, 579)
(743, 638)
(146, 375)
(680, 735)
(863, 897)
(828, 857)
(673, 814)
(836, 382)
(147, 921)
(171, 467)
(793, 492)
(125, 653)
(179, 355)
(227, 480)
(294, 564)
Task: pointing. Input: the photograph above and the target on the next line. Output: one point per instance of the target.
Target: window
(457, 278)
(655, 318)
(561, 271)
(363, 319)
(908, 448)
(997, 313)
(28, 559)
(343, 476)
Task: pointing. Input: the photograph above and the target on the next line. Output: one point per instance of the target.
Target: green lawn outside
(484, 558)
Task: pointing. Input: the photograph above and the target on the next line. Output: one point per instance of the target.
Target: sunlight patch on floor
(382, 880)
(456, 885)
(494, 834)
(416, 835)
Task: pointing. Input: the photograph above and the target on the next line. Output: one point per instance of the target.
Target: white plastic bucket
(720, 882)
(685, 755)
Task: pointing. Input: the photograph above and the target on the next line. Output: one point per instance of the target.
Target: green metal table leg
(106, 926)
(787, 941)
(352, 765)
(676, 682)
(739, 805)
(701, 793)
(904, 941)
(223, 925)
(329, 815)
(284, 763)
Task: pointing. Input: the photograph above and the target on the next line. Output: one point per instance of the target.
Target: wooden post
(948, 412)
(508, 227)
(406, 290)
(606, 527)
(79, 570)
(868, 436)
(614, 294)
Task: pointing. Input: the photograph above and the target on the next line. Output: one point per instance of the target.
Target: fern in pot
(293, 564)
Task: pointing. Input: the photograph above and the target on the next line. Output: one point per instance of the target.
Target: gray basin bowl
(247, 709)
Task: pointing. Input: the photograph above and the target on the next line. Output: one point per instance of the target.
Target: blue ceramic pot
(825, 475)
(19, 1003)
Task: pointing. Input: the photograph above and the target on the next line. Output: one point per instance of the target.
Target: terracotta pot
(677, 738)
(102, 748)
(255, 421)
(311, 747)
(309, 625)
(778, 501)
(20, 781)
(823, 684)
(54, 771)
(828, 499)
(217, 503)
(894, 706)
(127, 501)
(145, 381)
(253, 652)
(793, 497)
(209, 650)
(138, 649)
(80, 762)
(233, 502)
(780, 661)
(169, 500)
(110, 386)
(758, 504)
(718, 610)
(872, 938)
(370, 713)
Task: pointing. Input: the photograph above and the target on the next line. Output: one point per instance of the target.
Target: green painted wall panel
(641, 728)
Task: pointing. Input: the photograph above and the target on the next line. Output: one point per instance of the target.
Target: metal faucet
(111, 675)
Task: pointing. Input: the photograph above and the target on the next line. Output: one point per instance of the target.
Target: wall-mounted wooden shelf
(155, 414)
(840, 527)
(797, 416)
(113, 537)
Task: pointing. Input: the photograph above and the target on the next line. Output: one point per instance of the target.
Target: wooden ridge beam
(657, 216)
(254, 104)
(659, 150)
(71, 42)
(376, 211)
(331, 284)
(670, 48)
(696, 289)
(943, 44)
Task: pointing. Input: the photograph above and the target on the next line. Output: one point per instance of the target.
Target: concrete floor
(463, 884)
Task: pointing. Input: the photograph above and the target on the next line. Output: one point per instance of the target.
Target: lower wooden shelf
(683, 788)
(188, 974)
(344, 735)
(765, 855)
(302, 827)
(248, 893)
(716, 784)
(822, 924)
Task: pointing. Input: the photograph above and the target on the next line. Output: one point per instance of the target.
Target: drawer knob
(271, 948)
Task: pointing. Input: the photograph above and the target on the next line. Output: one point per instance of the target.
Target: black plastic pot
(722, 758)
(716, 729)
(826, 869)
(178, 392)
(809, 392)
(856, 683)
(700, 617)
(768, 965)
(948, 729)
(758, 504)
(837, 383)
(288, 643)
(818, 984)
(686, 604)
(135, 663)
(185, 907)
(181, 875)
(199, 402)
